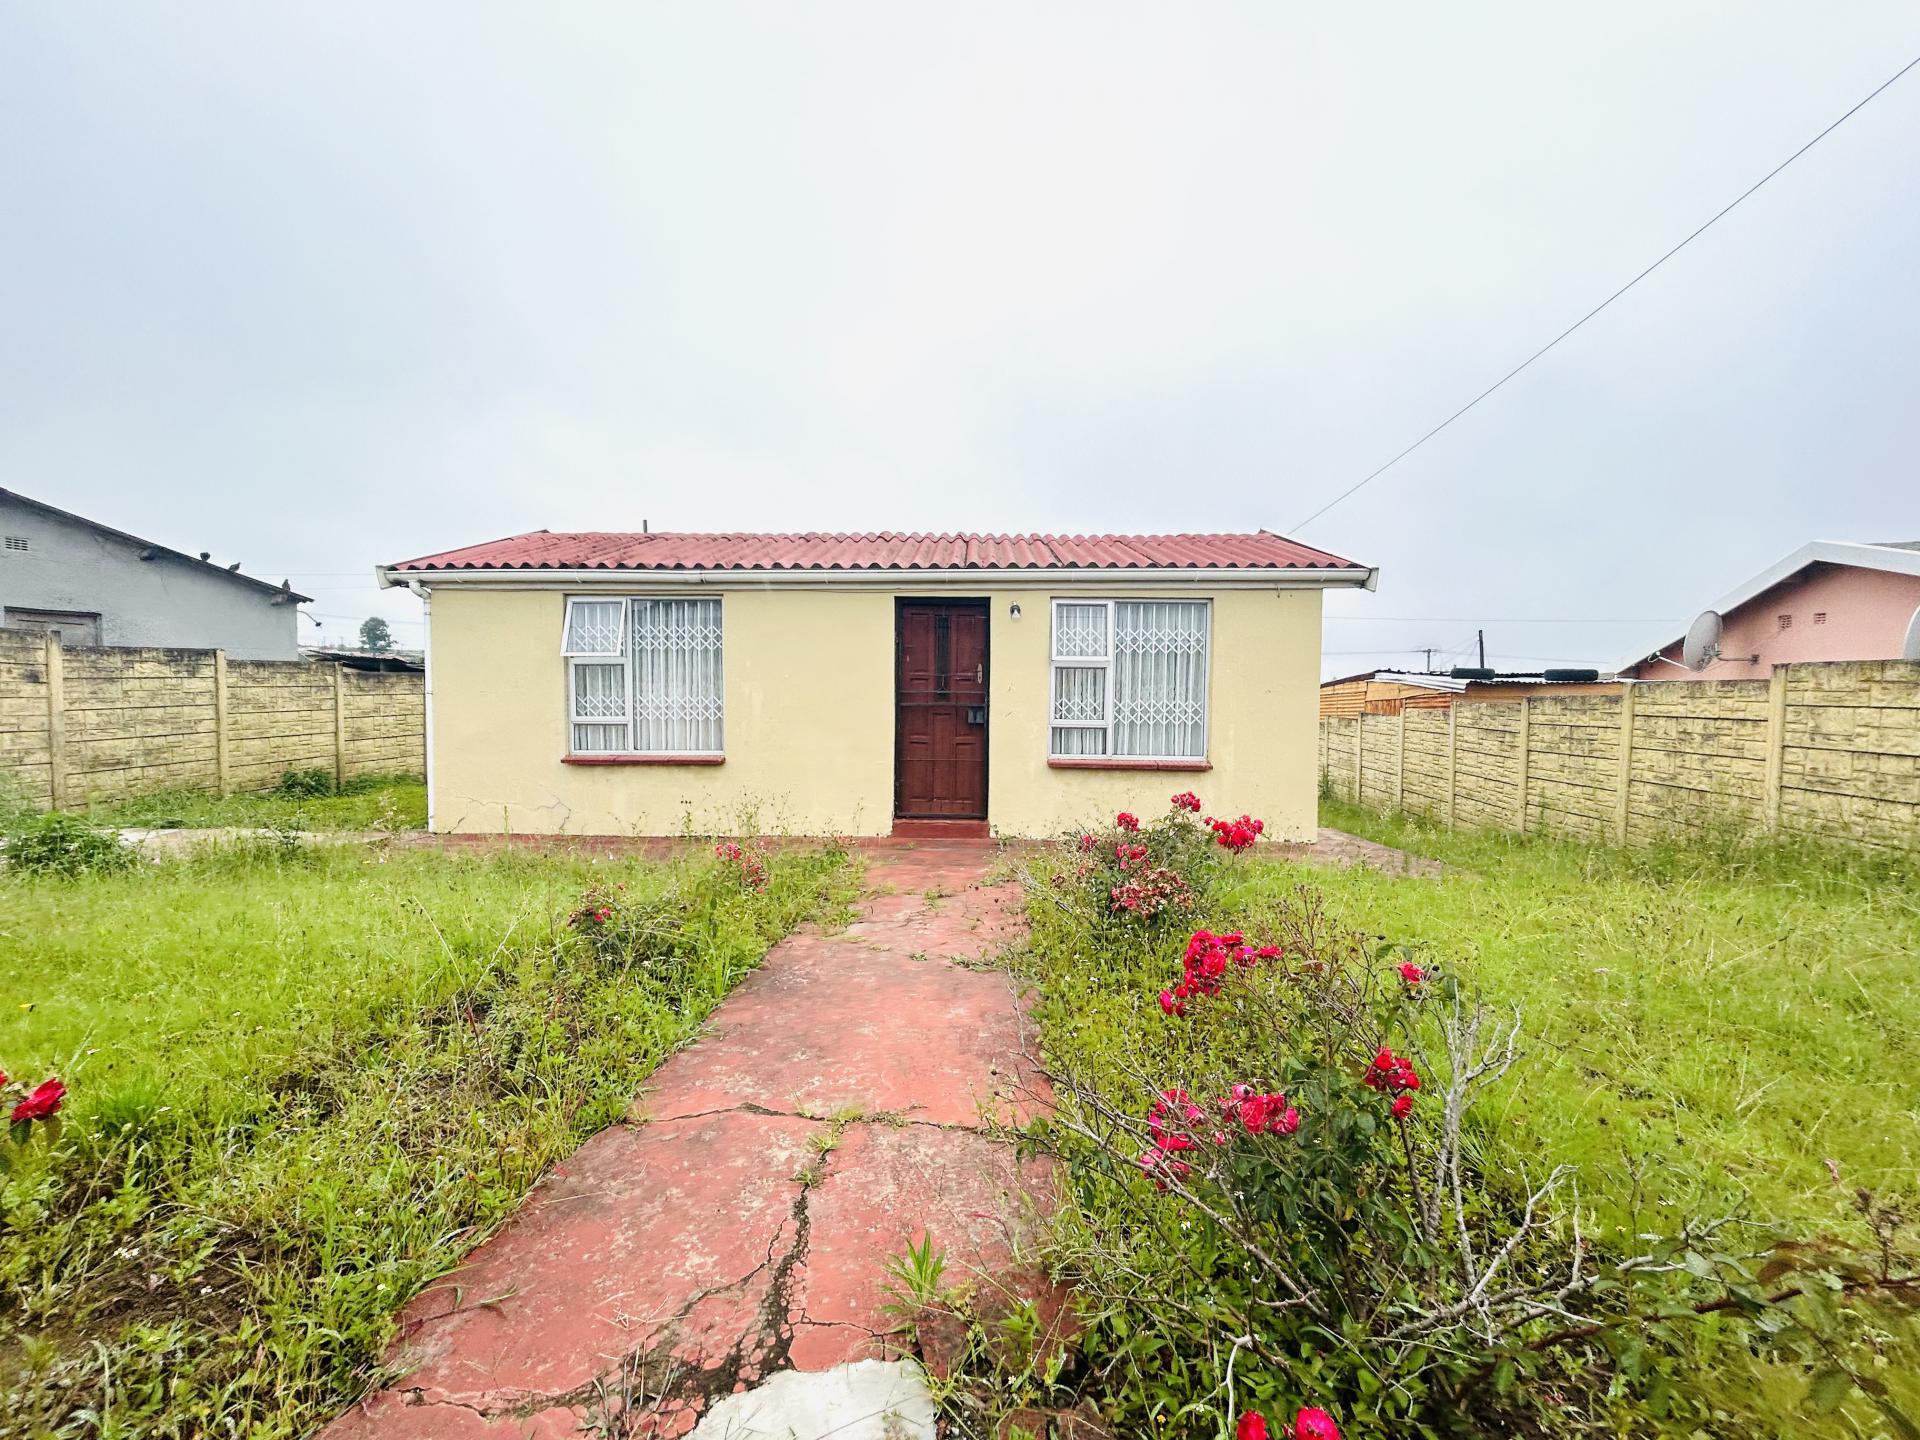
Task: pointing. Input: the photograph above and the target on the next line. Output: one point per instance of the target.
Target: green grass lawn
(394, 802)
(1705, 1024)
(303, 1082)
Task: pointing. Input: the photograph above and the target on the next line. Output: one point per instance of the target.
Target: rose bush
(747, 863)
(1284, 1199)
(1135, 875)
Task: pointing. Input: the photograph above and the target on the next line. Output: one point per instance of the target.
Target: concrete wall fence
(1830, 750)
(82, 725)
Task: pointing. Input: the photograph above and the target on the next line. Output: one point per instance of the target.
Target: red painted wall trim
(1096, 762)
(643, 759)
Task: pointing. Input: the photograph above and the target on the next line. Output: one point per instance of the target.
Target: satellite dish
(1702, 645)
(1911, 650)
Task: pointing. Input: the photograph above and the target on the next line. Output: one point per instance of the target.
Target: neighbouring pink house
(1831, 600)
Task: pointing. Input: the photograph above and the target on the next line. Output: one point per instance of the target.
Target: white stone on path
(867, 1400)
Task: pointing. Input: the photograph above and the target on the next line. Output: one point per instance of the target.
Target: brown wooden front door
(940, 756)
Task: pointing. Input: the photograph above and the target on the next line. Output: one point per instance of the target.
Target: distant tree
(374, 634)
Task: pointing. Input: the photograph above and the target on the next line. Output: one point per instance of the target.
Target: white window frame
(619, 650)
(1103, 663)
(1085, 662)
(623, 657)
(577, 656)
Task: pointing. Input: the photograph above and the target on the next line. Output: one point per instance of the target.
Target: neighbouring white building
(65, 575)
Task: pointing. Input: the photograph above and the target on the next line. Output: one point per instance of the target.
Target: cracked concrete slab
(867, 1400)
(888, 1187)
(827, 1027)
(669, 1234)
(826, 1030)
(739, 1226)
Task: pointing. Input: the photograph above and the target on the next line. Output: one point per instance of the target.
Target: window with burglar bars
(1130, 679)
(644, 676)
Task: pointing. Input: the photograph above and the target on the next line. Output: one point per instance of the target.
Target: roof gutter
(1354, 577)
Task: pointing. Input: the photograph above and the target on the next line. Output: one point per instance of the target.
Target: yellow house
(647, 684)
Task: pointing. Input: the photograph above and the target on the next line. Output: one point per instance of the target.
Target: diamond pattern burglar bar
(1130, 679)
(677, 687)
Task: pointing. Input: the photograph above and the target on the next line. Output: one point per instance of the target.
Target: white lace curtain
(646, 676)
(1130, 679)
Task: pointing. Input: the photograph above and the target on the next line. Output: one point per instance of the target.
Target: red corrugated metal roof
(670, 550)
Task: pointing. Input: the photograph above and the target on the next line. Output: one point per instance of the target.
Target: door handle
(980, 673)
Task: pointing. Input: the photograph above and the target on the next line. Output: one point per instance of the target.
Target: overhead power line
(1396, 650)
(1544, 659)
(1696, 234)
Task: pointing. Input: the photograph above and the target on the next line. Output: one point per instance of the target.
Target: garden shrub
(61, 844)
(1287, 1205)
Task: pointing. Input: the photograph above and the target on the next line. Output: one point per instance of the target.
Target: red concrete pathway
(739, 1223)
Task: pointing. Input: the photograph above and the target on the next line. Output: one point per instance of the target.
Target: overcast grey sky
(316, 287)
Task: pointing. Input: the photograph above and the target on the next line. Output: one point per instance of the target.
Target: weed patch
(62, 845)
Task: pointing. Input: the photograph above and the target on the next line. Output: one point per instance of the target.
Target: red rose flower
(1412, 973)
(1188, 801)
(1128, 822)
(1395, 1075)
(1313, 1423)
(44, 1102)
(1252, 1426)
(1236, 834)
